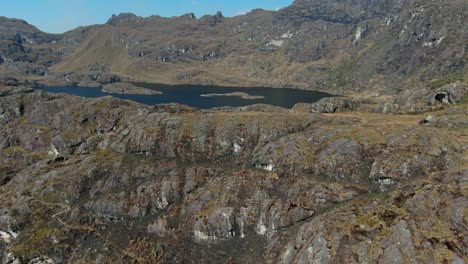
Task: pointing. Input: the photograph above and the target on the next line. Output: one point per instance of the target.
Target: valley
(323, 132)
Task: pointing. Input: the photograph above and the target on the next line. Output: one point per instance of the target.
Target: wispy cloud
(241, 12)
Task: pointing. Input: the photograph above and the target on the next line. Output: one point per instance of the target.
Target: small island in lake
(127, 88)
(238, 94)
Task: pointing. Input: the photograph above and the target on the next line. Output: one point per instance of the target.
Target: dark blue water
(190, 95)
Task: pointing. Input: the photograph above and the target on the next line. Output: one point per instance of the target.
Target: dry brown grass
(373, 119)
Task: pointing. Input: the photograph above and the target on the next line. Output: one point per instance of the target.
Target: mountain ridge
(345, 47)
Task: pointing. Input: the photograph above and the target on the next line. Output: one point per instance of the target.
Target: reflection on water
(191, 95)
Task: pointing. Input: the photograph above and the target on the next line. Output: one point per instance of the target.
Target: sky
(58, 16)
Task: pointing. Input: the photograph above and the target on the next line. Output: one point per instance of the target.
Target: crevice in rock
(441, 97)
(4, 180)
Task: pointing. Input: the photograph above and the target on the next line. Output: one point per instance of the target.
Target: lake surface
(191, 95)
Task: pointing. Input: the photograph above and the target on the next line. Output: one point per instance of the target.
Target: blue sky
(57, 16)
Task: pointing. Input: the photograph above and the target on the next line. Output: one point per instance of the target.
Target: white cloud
(241, 12)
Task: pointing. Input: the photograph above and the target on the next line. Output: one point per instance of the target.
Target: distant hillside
(339, 46)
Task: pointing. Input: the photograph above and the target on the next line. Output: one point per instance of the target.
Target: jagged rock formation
(115, 181)
(123, 19)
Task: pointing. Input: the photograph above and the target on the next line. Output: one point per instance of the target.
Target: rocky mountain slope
(113, 181)
(358, 46)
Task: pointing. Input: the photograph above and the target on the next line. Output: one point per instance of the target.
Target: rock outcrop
(328, 105)
(123, 19)
(449, 94)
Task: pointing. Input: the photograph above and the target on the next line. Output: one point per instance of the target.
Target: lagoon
(196, 95)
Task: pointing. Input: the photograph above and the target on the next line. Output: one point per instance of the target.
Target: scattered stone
(428, 119)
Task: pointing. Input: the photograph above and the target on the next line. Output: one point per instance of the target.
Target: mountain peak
(219, 14)
(122, 19)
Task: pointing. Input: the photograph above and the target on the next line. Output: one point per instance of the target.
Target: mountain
(384, 46)
(24, 50)
(376, 175)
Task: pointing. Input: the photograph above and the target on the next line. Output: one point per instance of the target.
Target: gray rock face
(106, 207)
(373, 239)
(317, 251)
(342, 159)
(219, 225)
(399, 246)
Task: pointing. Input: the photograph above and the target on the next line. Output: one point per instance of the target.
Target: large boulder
(449, 94)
